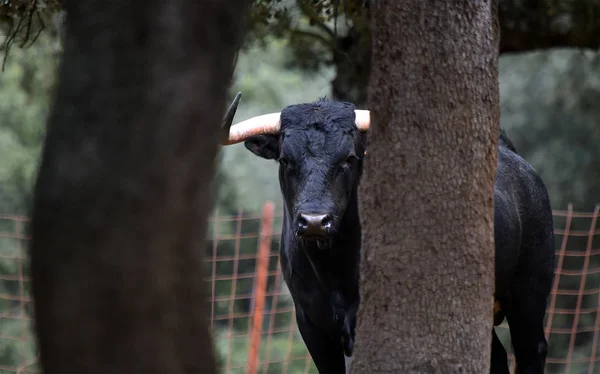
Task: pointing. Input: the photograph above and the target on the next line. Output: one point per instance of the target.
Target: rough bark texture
(123, 191)
(427, 268)
(539, 24)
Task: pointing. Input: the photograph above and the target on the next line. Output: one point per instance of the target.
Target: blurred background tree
(296, 51)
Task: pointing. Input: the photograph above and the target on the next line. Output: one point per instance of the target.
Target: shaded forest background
(296, 52)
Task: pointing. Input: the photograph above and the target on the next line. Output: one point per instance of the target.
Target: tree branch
(539, 24)
(309, 12)
(314, 36)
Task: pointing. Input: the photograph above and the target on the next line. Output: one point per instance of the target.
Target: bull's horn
(259, 125)
(363, 119)
(228, 119)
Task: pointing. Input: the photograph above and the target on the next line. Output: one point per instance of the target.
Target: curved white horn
(259, 125)
(363, 119)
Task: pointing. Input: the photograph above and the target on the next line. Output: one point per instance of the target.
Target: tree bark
(122, 195)
(427, 267)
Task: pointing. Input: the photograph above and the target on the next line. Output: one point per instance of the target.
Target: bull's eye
(283, 161)
(347, 164)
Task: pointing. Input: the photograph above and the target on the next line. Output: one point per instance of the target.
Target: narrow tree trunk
(352, 60)
(427, 268)
(352, 54)
(123, 191)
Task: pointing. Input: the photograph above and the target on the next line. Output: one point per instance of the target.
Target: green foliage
(13, 11)
(312, 27)
(22, 21)
(276, 351)
(27, 84)
(17, 342)
(549, 109)
(17, 346)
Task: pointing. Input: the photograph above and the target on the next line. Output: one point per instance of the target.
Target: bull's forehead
(320, 129)
(318, 142)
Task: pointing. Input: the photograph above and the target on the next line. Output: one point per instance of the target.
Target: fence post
(262, 268)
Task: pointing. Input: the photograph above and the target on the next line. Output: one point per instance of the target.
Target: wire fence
(252, 314)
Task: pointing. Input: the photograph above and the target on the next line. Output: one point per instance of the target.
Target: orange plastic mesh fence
(252, 312)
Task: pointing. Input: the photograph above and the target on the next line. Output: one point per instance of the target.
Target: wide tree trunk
(427, 267)
(122, 195)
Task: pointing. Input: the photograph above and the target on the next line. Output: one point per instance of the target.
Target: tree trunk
(352, 56)
(121, 199)
(427, 268)
(352, 60)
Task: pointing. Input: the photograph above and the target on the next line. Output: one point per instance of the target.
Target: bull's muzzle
(314, 226)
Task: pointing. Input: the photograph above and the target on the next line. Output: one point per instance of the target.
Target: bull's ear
(265, 146)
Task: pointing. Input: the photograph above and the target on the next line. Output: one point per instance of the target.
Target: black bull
(320, 152)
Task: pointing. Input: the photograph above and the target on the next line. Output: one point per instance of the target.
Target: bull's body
(324, 286)
(320, 150)
(524, 239)
(323, 154)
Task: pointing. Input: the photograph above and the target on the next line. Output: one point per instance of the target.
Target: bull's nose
(314, 224)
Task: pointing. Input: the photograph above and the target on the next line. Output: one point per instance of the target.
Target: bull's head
(319, 148)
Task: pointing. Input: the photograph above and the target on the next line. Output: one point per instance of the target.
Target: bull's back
(522, 223)
(507, 238)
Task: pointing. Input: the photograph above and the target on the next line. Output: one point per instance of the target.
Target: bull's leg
(499, 363)
(526, 322)
(349, 329)
(327, 355)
